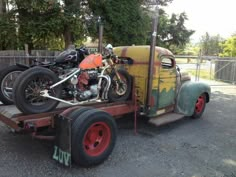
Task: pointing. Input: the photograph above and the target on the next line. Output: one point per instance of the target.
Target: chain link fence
(215, 70)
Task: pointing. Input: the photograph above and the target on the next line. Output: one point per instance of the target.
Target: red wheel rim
(200, 104)
(97, 138)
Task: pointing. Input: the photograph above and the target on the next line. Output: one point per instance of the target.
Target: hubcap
(97, 139)
(200, 104)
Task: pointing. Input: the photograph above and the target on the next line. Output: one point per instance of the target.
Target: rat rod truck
(87, 134)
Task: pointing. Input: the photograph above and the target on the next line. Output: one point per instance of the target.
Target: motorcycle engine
(88, 94)
(87, 85)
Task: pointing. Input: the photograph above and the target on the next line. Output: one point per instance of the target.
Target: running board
(165, 119)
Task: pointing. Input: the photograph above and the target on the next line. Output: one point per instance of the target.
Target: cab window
(167, 63)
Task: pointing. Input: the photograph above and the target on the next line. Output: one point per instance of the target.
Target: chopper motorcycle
(96, 79)
(65, 60)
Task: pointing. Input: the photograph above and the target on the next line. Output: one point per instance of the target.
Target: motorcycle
(65, 60)
(96, 79)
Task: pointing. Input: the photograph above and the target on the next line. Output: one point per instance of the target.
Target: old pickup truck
(87, 134)
(173, 95)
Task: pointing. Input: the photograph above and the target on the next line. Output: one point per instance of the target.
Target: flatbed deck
(12, 117)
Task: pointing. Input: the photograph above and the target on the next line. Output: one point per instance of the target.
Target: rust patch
(124, 51)
(152, 104)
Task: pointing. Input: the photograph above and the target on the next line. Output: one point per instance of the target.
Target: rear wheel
(93, 137)
(7, 79)
(73, 115)
(199, 106)
(27, 88)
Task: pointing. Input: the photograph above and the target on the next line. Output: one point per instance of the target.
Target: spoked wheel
(34, 87)
(120, 88)
(93, 137)
(27, 91)
(199, 106)
(7, 78)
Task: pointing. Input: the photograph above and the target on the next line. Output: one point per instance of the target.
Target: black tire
(6, 98)
(113, 95)
(199, 106)
(73, 115)
(21, 87)
(94, 135)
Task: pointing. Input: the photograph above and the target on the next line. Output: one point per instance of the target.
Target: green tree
(129, 22)
(125, 22)
(210, 45)
(191, 49)
(229, 47)
(73, 28)
(7, 33)
(51, 24)
(41, 24)
(172, 32)
(38, 22)
(2, 7)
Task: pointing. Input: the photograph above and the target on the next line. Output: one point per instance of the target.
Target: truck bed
(11, 111)
(11, 116)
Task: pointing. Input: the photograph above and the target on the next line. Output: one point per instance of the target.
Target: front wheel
(27, 91)
(120, 89)
(7, 79)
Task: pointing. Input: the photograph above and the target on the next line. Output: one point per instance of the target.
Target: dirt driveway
(190, 148)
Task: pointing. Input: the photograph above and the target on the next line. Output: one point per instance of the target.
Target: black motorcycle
(66, 60)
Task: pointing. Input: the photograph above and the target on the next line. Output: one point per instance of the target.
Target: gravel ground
(190, 148)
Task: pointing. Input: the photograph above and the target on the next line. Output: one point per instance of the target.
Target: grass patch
(205, 74)
(184, 60)
(187, 60)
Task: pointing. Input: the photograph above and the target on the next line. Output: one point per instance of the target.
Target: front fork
(114, 69)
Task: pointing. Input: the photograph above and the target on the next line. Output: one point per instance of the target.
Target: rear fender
(188, 95)
(22, 66)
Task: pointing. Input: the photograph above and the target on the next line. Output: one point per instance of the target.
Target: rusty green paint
(188, 95)
(166, 98)
(161, 100)
(154, 108)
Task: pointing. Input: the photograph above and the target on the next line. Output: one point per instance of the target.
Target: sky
(212, 16)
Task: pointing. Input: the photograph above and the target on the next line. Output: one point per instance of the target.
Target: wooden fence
(10, 57)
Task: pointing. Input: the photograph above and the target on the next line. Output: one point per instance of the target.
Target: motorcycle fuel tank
(91, 61)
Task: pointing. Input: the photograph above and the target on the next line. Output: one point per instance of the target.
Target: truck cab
(172, 91)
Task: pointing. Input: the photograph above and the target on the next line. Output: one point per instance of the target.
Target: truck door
(167, 82)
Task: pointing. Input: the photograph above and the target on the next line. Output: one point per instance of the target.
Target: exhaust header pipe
(151, 61)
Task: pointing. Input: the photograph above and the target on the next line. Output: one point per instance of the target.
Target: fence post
(27, 54)
(234, 79)
(199, 58)
(210, 69)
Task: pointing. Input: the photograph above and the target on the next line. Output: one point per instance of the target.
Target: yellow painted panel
(139, 70)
